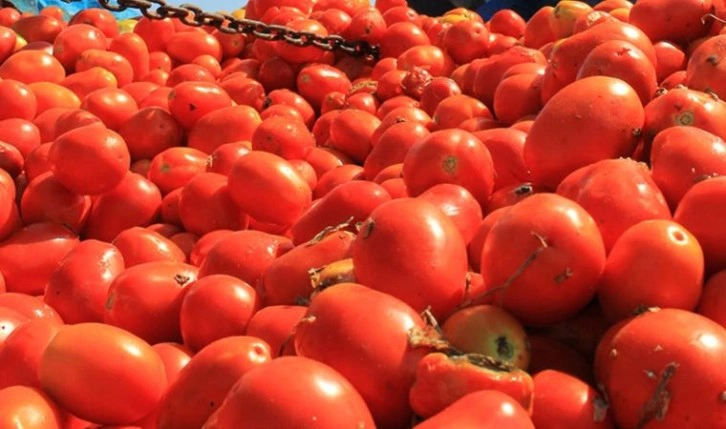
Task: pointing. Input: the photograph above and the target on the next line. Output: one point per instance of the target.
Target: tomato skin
(568, 248)
(73, 40)
(47, 200)
(458, 204)
(355, 199)
(123, 393)
(683, 348)
(132, 47)
(206, 205)
(315, 81)
(134, 202)
(30, 255)
(150, 131)
(74, 118)
(16, 101)
(268, 188)
(506, 147)
(484, 409)
(203, 383)
(32, 66)
(184, 46)
(139, 245)
(275, 324)
(213, 129)
(113, 106)
(450, 156)
(189, 101)
(380, 345)
(249, 399)
(30, 408)
(89, 160)
(175, 356)
(392, 146)
(288, 139)
(152, 316)
(155, 32)
(659, 22)
(99, 18)
(29, 306)
(560, 398)
(20, 354)
(591, 185)
(441, 380)
(111, 61)
(215, 307)
(78, 287)
(583, 133)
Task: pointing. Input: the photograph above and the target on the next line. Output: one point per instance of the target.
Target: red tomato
(134, 202)
(39, 28)
(77, 360)
(373, 352)
(99, 18)
(485, 409)
(47, 200)
(215, 307)
(152, 316)
(224, 156)
(214, 129)
(175, 166)
(111, 61)
(713, 299)
(206, 205)
(401, 36)
(10, 320)
(150, 131)
(134, 49)
(539, 244)
(458, 204)
(32, 66)
(11, 160)
(16, 101)
(74, 118)
(29, 407)
(269, 189)
(189, 101)
(29, 306)
(73, 40)
(89, 160)
(183, 47)
(450, 156)
(659, 22)
(202, 385)
(30, 255)
(21, 352)
(315, 81)
(392, 147)
(175, 356)
(275, 324)
(139, 245)
(205, 242)
(560, 398)
(294, 391)
(431, 274)
(676, 349)
(113, 106)
(289, 139)
(155, 32)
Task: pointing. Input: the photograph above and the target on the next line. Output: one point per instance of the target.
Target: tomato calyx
(182, 279)
(657, 406)
(329, 230)
(332, 274)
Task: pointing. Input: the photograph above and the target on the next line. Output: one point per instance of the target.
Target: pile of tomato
(501, 224)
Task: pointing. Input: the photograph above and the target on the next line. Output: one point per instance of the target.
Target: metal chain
(226, 23)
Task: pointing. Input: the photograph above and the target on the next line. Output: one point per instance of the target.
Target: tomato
(189, 101)
(204, 243)
(289, 139)
(268, 188)
(155, 32)
(466, 40)
(584, 133)
(203, 383)
(713, 299)
(696, 211)
(525, 255)
(39, 28)
(215, 307)
(213, 129)
(139, 90)
(150, 131)
(401, 36)
(11, 160)
(484, 409)
(49, 95)
(591, 185)
(8, 16)
(9, 214)
(73, 40)
(139, 245)
(36, 163)
(661, 366)
(670, 59)
(98, 17)
(152, 316)
(275, 325)
(123, 393)
(134, 202)
(315, 81)
(134, 49)
(74, 118)
(111, 61)
(189, 72)
(458, 205)
(441, 380)
(10, 320)
(392, 146)
(113, 106)
(223, 157)
(560, 398)
(32, 66)
(47, 200)
(89, 160)
(430, 274)
(21, 352)
(175, 356)
(184, 46)
(450, 156)
(175, 166)
(517, 96)
(16, 101)
(29, 256)
(28, 407)
(657, 20)
(221, 256)
(377, 341)
(206, 205)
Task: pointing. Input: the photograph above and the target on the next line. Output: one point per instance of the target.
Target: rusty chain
(226, 23)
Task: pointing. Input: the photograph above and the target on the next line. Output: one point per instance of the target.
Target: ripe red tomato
(111, 61)
(17, 100)
(73, 40)
(150, 131)
(202, 385)
(99, 18)
(175, 356)
(289, 139)
(560, 398)
(155, 32)
(112, 105)
(21, 352)
(29, 407)
(139, 245)
(663, 365)
(484, 409)
(221, 126)
(146, 299)
(46, 200)
(215, 307)
(275, 324)
(458, 205)
(541, 243)
(373, 352)
(293, 391)
(76, 362)
(189, 101)
(175, 166)
(32, 66)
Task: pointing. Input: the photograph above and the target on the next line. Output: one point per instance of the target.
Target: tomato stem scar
(657, 405)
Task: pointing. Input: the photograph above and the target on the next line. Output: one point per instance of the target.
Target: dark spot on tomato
(192, 107)
(450, 164)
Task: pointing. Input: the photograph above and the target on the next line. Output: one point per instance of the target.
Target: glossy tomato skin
(176, 166)
(675, 348)
(203, 383)
(252, 397)
(380, 346)
(29, 306)
(484, 409)
(538, 245)
(78, 287)
(29, 407)
(149, 132)
(189, 101)
(206, 205)
(47, 200)
(139, 245)
(29, 256)
(20, 354)
(215, 128)
(458, 204)
(123, 393)
(152, 316)
(275, 324)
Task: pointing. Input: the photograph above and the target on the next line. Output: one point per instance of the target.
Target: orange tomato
(32, 66)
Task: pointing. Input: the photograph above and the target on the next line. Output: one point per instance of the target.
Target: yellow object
(126, 25)
(20, 42)
(239, 13)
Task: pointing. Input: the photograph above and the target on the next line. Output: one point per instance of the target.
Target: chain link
(193, 15)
